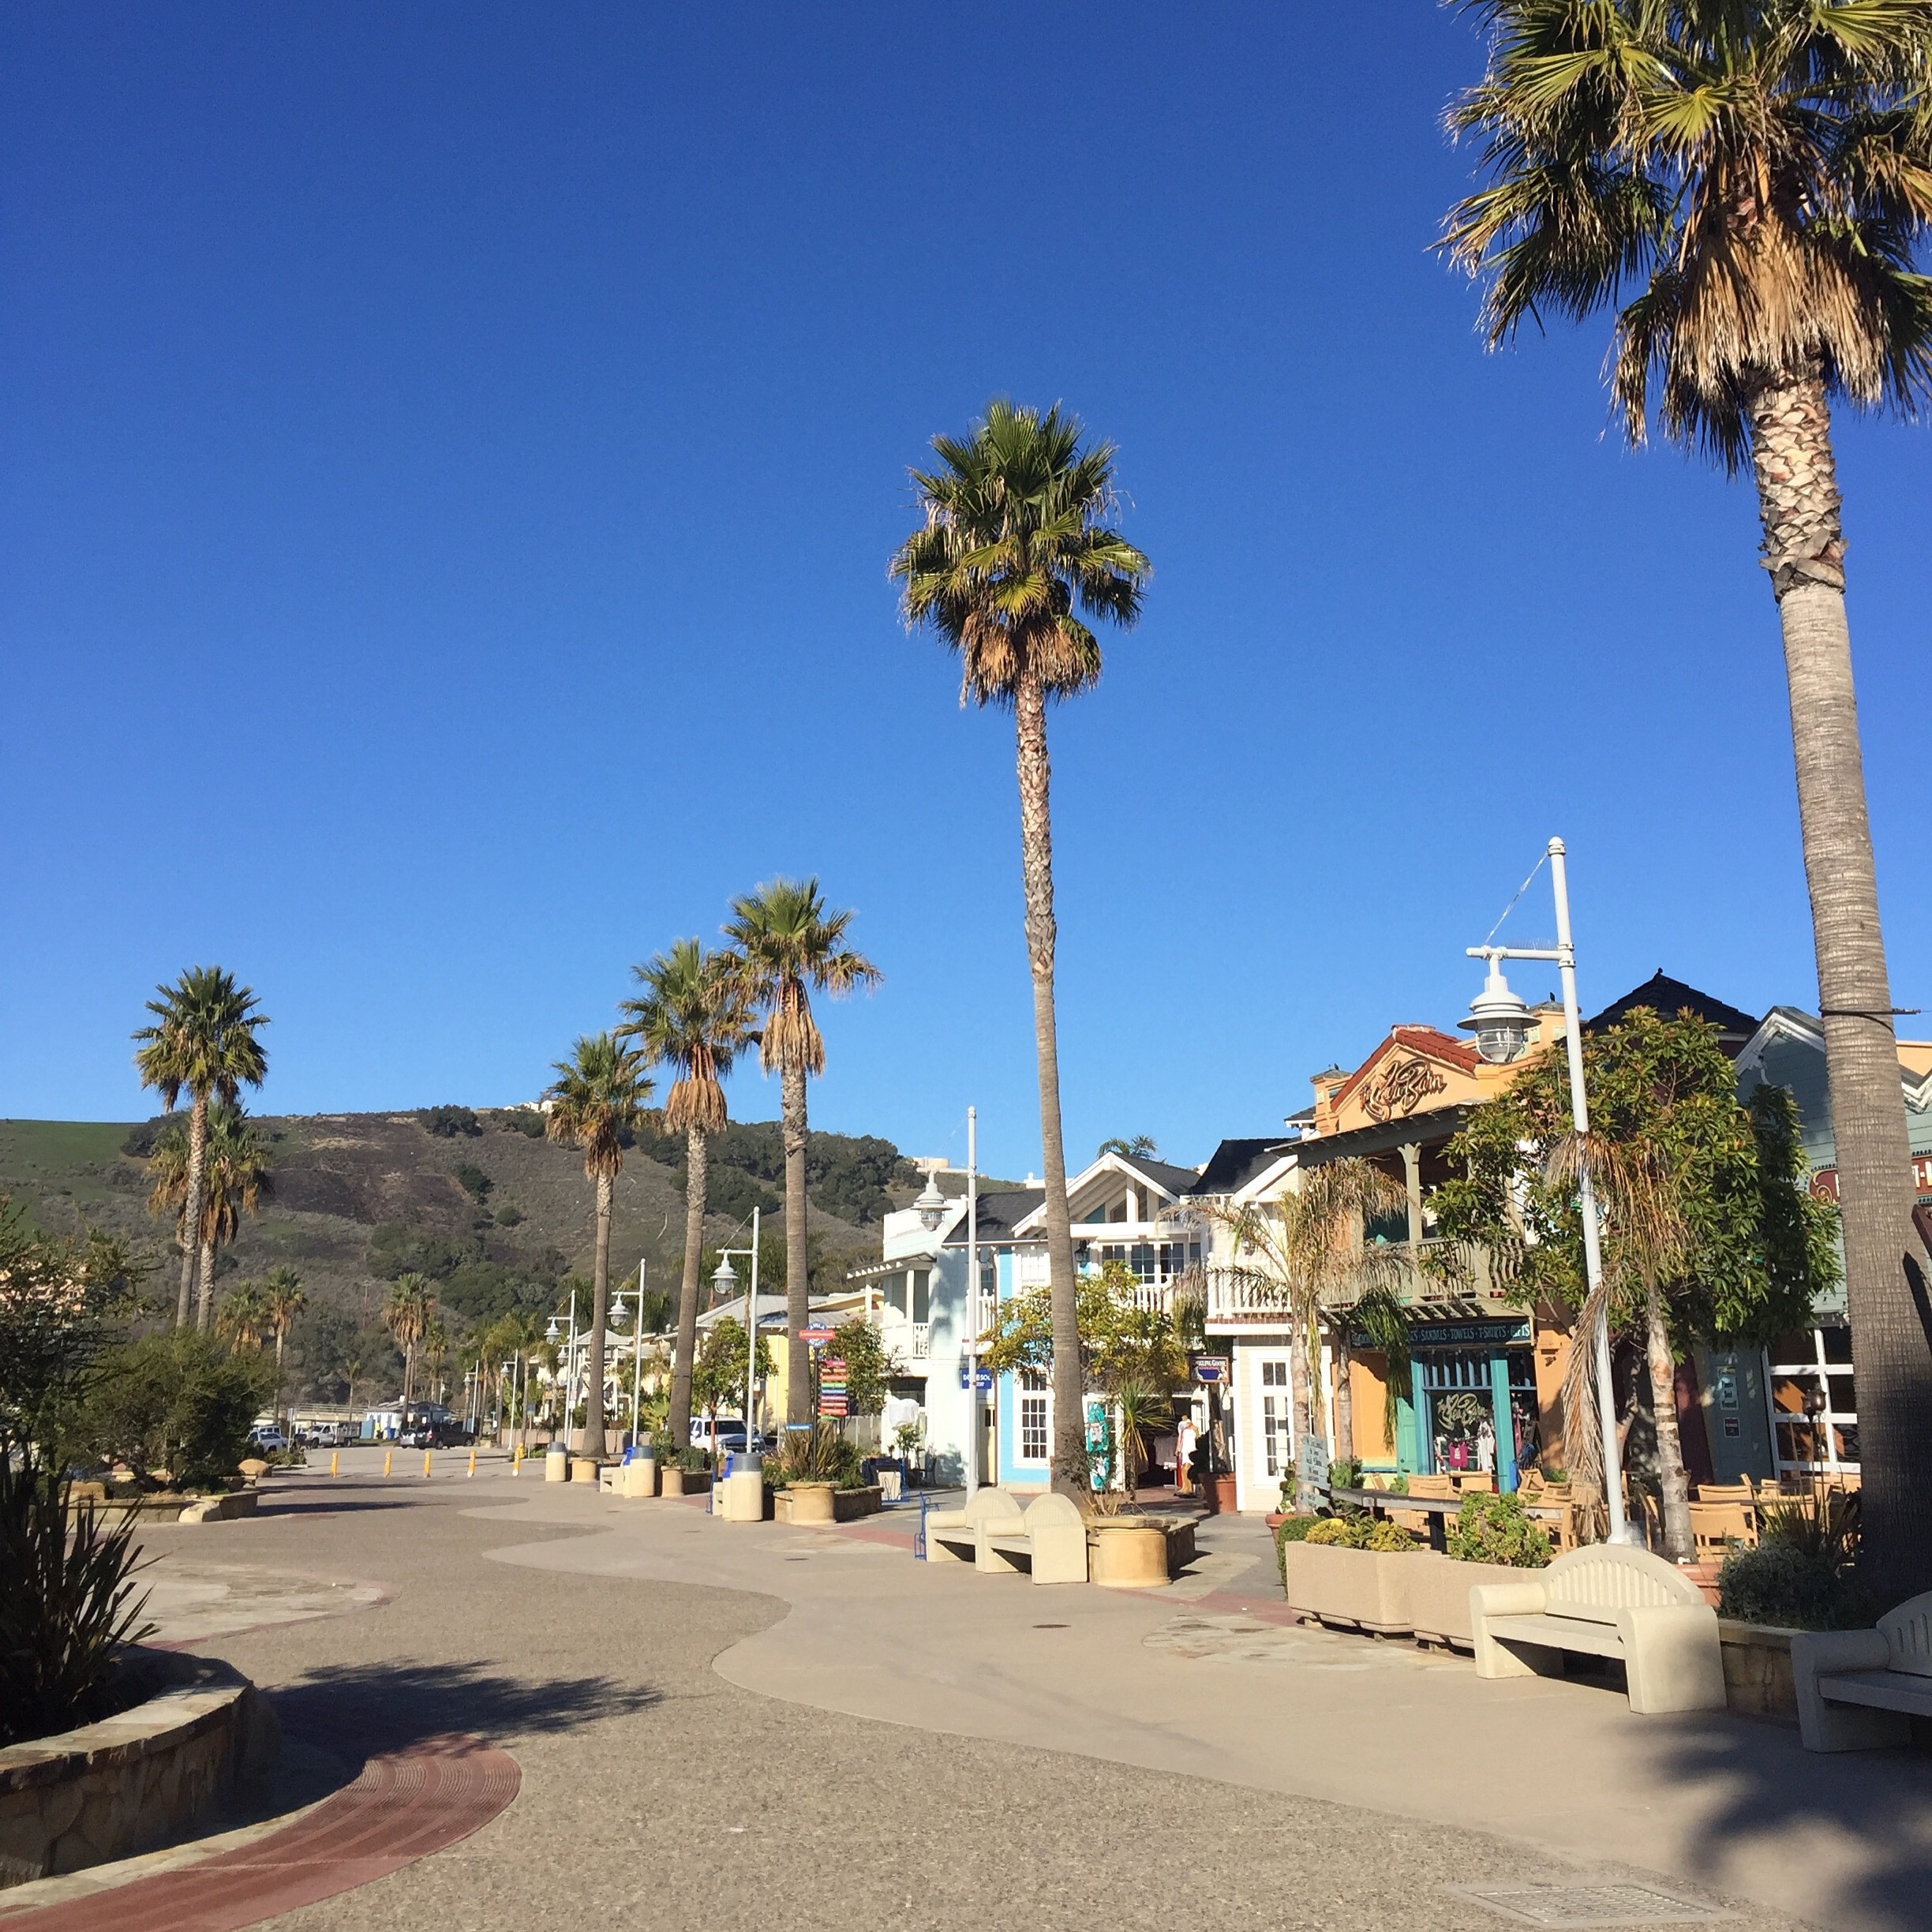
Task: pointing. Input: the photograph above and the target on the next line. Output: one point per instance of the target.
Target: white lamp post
(1501, 1023)
(724, 1278)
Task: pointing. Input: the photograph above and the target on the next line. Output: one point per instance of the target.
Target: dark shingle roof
(1234, 1163)
(995, 1213)
(1163, 1174)
(1667, 997)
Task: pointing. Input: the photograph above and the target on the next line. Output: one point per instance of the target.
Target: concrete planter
(1439, 1594)
(584, 1470)
(1351, 1589)
(1127, 1555)
(679, 1482)
(819, 1503)
(110, 1790)
(1758, 1669)
(222, 1508)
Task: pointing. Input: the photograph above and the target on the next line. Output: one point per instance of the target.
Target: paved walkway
(719, 1724)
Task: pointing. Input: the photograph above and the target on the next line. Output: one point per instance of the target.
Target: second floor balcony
(1434, 1274)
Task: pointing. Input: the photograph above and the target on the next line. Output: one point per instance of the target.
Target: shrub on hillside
(447, 1123)
(474, 1181)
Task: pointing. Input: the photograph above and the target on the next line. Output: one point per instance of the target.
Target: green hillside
(497, 1216)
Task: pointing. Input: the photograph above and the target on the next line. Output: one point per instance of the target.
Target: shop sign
(1825, 1182)
(1469, 1334)
(1211, 1368)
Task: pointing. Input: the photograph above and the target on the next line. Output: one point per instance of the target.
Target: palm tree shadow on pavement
(1767, 1790)
(355, 1712)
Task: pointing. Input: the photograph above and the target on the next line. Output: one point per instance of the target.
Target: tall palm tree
(203, 1040)
(284, 1300)
(1015, 538)
(789, 946)
(235, 1177)
(692, 1016)
(242, 1318)
(597, 1100)
(406, 1314)
(1749, 180)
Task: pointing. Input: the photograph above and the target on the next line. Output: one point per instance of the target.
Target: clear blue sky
(450, 458)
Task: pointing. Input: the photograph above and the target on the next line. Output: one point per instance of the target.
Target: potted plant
(1352, 1570)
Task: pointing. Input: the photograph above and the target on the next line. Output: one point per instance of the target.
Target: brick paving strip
(404, 1805)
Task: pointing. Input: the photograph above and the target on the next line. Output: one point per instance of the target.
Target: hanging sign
(1211, 1368)
(816, 1335)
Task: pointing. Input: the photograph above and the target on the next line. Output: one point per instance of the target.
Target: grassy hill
(499, 1216)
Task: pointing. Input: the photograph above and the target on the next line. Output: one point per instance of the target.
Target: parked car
(326, 1435)
(729, 1439)
(265, 1437)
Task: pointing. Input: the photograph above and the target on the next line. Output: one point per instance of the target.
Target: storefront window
(1814, 1402)
(1457, 1396)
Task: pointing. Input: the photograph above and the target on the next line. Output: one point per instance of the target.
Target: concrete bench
(1860, 1689)
(1605, 1600)
(1050, 1542)
(951, 1534)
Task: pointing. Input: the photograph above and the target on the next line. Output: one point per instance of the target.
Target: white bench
(950, 1533)
(1860, 1689)
(1606, 1600)
(1051, 1541)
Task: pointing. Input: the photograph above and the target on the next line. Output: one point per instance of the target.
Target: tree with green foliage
(1710, 1233)
(718, 1380)
(181, 1402)
(693, 1016)
(788, 944)
(1120, 1341)
(241, 1320)
(1130, 1148)
(1015, 541)
(406, 1314)
(1746, 182)
(203, 1041)
(235, 1176)
(282, 1302)
(869, 1364)
(596, 1101)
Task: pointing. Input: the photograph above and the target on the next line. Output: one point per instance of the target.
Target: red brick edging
(402, 1807)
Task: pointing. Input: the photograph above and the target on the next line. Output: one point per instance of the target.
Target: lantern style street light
(932, 1204)
(724, 1279)
(1501, 1023)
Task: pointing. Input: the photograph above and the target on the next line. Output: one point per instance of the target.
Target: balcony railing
(1434, 1272)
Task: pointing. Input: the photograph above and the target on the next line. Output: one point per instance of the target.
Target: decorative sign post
(1311, 1474)
(831, 1386)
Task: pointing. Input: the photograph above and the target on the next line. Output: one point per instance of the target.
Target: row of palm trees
(1746, 186)
(698, 1011)
(252, 1314)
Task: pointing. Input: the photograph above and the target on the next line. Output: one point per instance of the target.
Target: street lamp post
(726, 1277)
(1501, 1023)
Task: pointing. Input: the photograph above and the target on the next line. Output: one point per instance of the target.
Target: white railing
(1435, 1271)
(922, 1340)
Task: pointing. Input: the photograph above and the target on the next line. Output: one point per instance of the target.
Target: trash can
(742, 1493)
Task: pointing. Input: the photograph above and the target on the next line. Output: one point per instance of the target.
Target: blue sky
(449, 455)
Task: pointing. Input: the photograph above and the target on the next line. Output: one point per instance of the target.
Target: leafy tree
(1132, 1149)
(1015, 537)
(693, 1016)
(1746, 182)
(474, 1181)
(450, 1123)
(1709, 1231)
(203, 1041)
(181, 1402)
(235, 1176)
(598, 1093)
(242, 1319)
(789, 945)
(1120, 1341)
(718, 1379)
(283, 1302)
(869, 1364)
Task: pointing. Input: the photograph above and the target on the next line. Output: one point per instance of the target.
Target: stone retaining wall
(134, 1781)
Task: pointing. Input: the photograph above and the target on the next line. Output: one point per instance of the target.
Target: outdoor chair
(949, 1534)
(1716, 1526)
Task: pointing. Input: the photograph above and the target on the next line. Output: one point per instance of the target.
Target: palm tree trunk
(204, 1294)
(1891, 1318)
(1069, 1463)
(191, 1209)
(600, 1314)
(697, 1171)
(798, 1267)
(281, 1334)
(1679, 1544)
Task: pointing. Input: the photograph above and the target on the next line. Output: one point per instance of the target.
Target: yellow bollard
(334, 1460)
(471, 1470)
(516, 1461)
(387, 1455)
(426, 1455)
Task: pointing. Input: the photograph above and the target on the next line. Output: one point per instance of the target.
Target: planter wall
(1351, 1589)
(1439, 1595)
(1758, 1669)
(819, 1503)
(110, 1790)
(1127, 1556)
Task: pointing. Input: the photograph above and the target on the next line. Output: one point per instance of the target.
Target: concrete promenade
(731, 1724)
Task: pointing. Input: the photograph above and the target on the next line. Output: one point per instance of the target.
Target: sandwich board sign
(1311, 1472)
